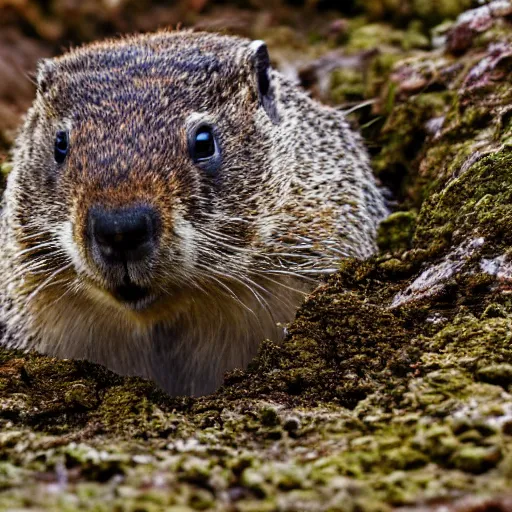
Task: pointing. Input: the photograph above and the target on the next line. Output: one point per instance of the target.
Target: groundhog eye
(61, 146)
(203, 145)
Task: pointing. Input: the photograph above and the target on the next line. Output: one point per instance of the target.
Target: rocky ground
(393, 386)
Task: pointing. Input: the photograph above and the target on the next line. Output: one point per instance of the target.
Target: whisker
(230, 292)
(48, 280)
(278, 283)
(263, 303)
(69, 289)
(35, 266)
(37, 248)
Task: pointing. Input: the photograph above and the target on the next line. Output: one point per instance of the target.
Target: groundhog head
(142, 168)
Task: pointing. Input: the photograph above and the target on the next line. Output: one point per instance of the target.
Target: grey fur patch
(46, 70)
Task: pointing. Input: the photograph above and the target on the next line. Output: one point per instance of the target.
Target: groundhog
(172, 200)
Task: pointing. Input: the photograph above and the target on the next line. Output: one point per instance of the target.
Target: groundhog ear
(261, 66)
(261, 63)
(45, 73)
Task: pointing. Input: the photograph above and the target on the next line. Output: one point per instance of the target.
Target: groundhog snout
(122, 235)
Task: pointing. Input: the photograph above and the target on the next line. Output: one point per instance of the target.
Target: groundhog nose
(123, 234)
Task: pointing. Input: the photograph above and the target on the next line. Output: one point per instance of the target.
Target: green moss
(5, 168)
(500, 374)
(430, 12)
(440, 10)
(471, 200)
(476, 459)
(401, 139)
(396, 232)
(372, 36)
(347, 84)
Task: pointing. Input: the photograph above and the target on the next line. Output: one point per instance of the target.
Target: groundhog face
(143, 163)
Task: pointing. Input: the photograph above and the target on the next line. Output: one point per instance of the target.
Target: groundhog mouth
(134, 296)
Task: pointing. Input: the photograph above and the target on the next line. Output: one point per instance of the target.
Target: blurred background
(342, 51)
